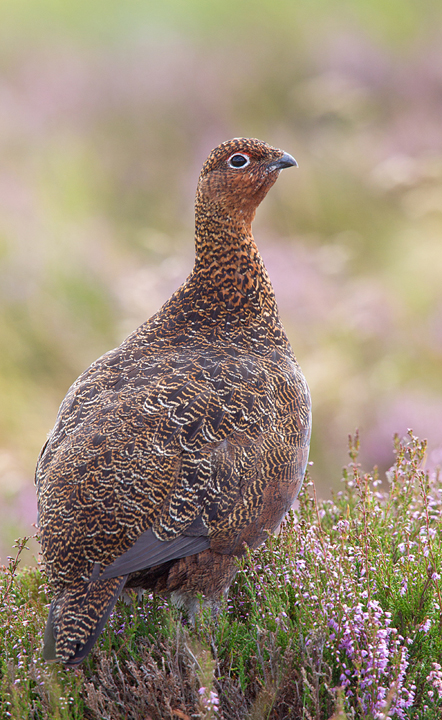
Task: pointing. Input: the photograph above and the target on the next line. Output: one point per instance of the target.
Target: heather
(336, 616)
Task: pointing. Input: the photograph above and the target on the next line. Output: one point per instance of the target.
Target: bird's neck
(228, 266)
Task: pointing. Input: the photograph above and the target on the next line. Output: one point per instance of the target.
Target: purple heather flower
(376, 658)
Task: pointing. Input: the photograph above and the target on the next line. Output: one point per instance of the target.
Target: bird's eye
(238, 160)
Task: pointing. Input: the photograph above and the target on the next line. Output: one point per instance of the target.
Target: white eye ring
(238, 161)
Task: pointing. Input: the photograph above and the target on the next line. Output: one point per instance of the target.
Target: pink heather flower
(435, 678)
(212, 701)
(214, 698)
(425, 626)
(342, 526)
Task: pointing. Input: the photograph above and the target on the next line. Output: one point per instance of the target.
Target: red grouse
(187, 443)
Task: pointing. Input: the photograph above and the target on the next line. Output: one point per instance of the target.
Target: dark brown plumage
(188, 442)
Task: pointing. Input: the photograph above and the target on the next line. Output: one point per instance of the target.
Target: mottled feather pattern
(84, 608)
(197, 426)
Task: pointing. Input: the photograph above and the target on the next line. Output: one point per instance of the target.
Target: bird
(187, 444)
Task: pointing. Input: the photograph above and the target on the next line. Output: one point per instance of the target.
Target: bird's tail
(77, 617)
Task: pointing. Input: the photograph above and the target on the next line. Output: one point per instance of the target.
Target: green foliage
(339, 614)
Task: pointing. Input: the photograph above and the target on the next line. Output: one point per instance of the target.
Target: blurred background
(107, 111)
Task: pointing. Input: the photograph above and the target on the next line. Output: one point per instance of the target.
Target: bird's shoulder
(189, 388)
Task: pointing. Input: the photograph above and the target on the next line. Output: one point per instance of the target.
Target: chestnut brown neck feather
(228, 264)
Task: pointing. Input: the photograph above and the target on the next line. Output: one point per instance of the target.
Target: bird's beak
(284, 161)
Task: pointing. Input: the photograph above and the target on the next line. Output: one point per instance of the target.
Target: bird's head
(238, 174)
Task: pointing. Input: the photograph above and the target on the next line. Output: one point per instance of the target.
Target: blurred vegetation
(108, 111)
